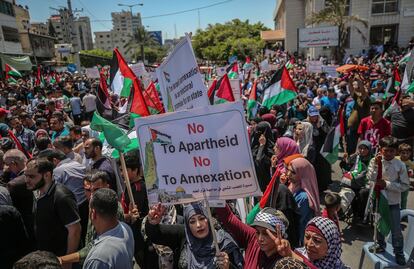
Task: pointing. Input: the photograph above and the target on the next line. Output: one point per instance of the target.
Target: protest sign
(192, 153)
(139, 70)
(314, 66)
(181, 84)
(92, 72)
(330, 70)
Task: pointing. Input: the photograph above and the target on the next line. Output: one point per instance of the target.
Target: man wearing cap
(374, 127)
(261, 249)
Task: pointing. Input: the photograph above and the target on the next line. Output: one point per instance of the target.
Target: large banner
(197, 152)
(181, 84)
(92, 72)
(318, 37)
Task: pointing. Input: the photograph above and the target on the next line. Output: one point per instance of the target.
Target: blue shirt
(306, 213)
(331, 103)
(71, 173)
(64, 132)
(76, 103)
(112, 249)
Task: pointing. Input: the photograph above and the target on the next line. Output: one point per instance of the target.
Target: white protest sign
(318, 37)
(330, 70)
(92, 72)
(181, 84)
(221, 71)
(235, 87)
(139, 70)
(190, 153)
(314, 67)
(264, 65)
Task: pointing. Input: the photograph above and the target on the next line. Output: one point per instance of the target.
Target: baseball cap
(269, 217)
(313, 111)
(3, 112)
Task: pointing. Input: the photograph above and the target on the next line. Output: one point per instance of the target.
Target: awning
(274, 35)
(350, 67)
(22, 63)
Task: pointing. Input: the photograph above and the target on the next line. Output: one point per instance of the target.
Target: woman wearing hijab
(192, 242)
(261, 252)
(262, 143)
(301, 180)
(283, 148)
(304, 139)
(271, 119)
(322, 248)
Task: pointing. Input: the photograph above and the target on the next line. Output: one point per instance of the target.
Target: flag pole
(210, 221)
(125, 174)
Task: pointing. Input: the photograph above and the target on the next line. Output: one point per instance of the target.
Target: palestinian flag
(408, 79)
(121, 75)
(265, 198)
(11, 73)
(252, 104)
(384, 223)
(103, 99)
(406, 57)
(152, 99)
(330, 148)
(220, 91)
(138, 104)
(134, 145)
(393, 83)
(290, 63)
(158, 137)
(234, 73)
(280, 89)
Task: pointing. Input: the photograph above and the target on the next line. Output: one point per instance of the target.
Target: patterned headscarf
(330, 232)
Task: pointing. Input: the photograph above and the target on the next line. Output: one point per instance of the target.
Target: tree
(140, 39)
(220, 41)
(336, 13)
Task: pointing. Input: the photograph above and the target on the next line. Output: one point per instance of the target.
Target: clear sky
(99, 12)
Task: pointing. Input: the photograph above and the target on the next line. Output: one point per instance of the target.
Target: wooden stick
(127, 182)
(210, 221)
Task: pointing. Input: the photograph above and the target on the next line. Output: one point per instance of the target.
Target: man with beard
(93, 151)
(57, 221)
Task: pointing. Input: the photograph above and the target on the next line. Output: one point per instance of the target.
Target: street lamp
(130, 6)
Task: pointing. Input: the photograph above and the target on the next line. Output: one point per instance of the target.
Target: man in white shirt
(89, 102)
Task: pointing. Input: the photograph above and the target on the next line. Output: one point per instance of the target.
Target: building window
(384, 6)
(383, 35)
(347, 7)
(7, 8)
(10, 34)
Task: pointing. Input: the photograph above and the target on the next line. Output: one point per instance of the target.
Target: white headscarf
(307, 139)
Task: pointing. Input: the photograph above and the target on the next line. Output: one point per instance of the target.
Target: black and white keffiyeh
(272, 220)
(331, 233)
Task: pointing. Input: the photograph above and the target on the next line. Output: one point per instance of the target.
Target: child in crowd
(405, 151)
(332, 207)
(392, 182)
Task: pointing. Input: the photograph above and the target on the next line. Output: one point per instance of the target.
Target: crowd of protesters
(63, 201)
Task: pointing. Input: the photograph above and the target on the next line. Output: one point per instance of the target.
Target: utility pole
(73, 32)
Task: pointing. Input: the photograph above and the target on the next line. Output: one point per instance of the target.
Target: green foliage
(98, 52)
(142, 41)
(152, 54)
(90, 58)
(220, 41)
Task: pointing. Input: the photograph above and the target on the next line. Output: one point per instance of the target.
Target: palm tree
(139, 39)
(336, 13)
